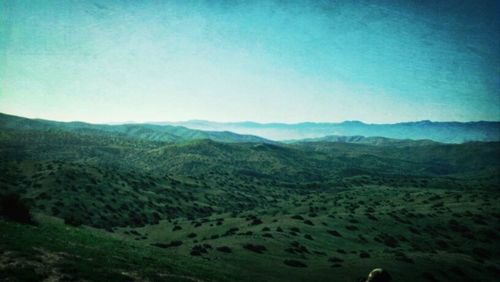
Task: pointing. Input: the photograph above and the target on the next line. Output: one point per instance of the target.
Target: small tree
(13, 208)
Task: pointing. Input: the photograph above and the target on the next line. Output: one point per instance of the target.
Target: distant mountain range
(377, 141)
(446, 132)
(398, 134)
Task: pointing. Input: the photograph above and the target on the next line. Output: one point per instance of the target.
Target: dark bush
(334, 233)
(335, 260)
(296, 248)
(387, 240)
(232, 230)
(198, 250)
(341, 251)
(308, 222)
(294, 263)
(256, 221)
(160, 245)
(255, 248)
(481, 253)
(364, 254)
(13, 208)
(403, 257)
(175, 243)
(224, 249)
(73, 221)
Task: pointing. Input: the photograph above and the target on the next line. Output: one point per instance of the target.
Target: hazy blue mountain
(357, 139)
(447, 132)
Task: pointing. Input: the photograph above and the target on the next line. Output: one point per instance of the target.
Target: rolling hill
(147, 203)
(150, 132)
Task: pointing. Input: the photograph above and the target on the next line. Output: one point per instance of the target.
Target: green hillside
(147, 203)
(150, 132)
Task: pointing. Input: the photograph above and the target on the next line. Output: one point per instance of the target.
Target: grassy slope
(53, 250)
(417, 235)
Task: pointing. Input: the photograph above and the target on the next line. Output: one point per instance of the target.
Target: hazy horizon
(263, 61)
(235, 121)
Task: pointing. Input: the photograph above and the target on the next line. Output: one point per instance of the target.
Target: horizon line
(179, 122)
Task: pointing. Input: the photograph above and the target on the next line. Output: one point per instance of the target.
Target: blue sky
(265, 61)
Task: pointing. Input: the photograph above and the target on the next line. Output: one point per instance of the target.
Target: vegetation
(134, 207)
(13, 208)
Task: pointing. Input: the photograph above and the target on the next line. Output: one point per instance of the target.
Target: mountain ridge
(445, 132)
(346, 131)
(151, 132)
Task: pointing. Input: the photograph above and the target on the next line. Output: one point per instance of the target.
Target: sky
(266, 61)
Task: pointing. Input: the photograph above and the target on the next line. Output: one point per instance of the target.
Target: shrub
(198, 250)
(364, 254)
(351, 228)
(13, 208)
(403, 257)
(255, 248)
(308, 222)
(256, 221)
(160, 245)
(176, 243)
(224, 249)
(334, 233)
(73, 221)
(294, 263)
(335, 260)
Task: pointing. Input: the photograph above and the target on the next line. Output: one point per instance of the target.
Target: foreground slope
(417, 235)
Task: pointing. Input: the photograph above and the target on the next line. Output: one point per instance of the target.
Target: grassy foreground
(434, 235)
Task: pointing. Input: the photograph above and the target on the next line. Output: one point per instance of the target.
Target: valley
(120, 203)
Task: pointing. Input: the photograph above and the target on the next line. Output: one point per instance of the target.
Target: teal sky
(265, 61)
